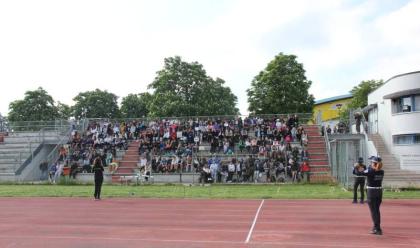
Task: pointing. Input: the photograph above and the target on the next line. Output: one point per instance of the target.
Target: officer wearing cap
(374, 175)
(359, 181)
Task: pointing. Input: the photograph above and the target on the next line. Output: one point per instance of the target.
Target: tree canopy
(360, 97)
(135, 105)
(281, 87)
(361, 92)
(64, 111)
(37, 105)
(96, 104)
(184, 89)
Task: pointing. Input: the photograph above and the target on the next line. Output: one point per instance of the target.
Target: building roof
(335, 98)
(399, 75)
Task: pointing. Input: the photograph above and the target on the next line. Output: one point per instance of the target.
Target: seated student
(142, 163)
(304, 139)
(74, 169)
(86, 165)
(305, 169)
(113, 166)
(52, 171)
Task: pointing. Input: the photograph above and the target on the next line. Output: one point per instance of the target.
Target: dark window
(406, 139)
(406, 104)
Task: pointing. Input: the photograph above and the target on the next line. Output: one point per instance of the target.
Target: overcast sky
(68, 47)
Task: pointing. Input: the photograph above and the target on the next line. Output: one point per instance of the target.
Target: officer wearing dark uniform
(98, 169)
(359, 181)
(374, 175)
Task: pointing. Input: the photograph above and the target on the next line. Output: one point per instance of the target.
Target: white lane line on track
(253, 223)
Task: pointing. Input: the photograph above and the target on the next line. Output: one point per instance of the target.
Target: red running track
(82, 222)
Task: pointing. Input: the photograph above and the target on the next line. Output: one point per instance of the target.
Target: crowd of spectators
(233, 149)
(174, 146)
(101, 139)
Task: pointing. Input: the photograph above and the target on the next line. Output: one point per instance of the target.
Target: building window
(406, 139)
(406, 104)
(417, 103)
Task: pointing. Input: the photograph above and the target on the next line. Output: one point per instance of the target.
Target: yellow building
(328, 110)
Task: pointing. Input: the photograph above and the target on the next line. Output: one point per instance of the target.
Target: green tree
(37, 105)
(360, 97)
(184, 89)
(64, 111)
(281, 88)
(96, 104)
(361, 92)
(135, 105)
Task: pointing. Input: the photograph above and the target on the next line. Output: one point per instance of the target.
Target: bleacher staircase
(318, 157)
(394, 175)
(128, 163)
(19, 148)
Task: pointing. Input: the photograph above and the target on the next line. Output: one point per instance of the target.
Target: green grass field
(282, 191)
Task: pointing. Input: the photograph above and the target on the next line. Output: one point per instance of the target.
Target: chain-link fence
(344, 154)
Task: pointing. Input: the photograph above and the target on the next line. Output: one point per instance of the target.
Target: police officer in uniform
(374, 175)
(359, 181)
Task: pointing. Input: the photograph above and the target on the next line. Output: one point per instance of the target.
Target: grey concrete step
(13, 155)
(19, 145)
(401, 183)
(37, 133)
(13, 140)
(8, 160)
(10, 169)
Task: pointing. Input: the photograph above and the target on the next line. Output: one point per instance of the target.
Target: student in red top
(172, 131)
(305, 169)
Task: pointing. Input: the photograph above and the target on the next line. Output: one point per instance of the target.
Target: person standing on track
(374, 175)
(98, 169)
(359, 181)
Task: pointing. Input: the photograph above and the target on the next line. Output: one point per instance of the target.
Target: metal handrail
(53, 155)
(20, 126)
(327, 141)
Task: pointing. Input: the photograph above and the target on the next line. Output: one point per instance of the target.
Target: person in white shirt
(214, 167)
(143, 162)
(58, 171)
(238, 170)
(231, 170)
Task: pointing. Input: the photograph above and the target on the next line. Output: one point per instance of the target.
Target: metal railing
(39, 140)
(4, 125)
(31, 126)
(54, 154)
(327, 142)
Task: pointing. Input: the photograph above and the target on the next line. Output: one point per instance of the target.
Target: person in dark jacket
(374, 175)
(98, 169)
(359, 181)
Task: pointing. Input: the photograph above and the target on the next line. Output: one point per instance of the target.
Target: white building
(394, 114)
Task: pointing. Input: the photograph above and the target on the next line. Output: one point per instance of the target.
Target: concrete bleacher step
(9, 155)
(312, 133)
(318, 162)
(10, 169)
(126, 170)
(316, 145)
(318, 156)
(321, 168)
(313, 150)
(128, 162)
(131, 152)
(12, 146)
(8, 160)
